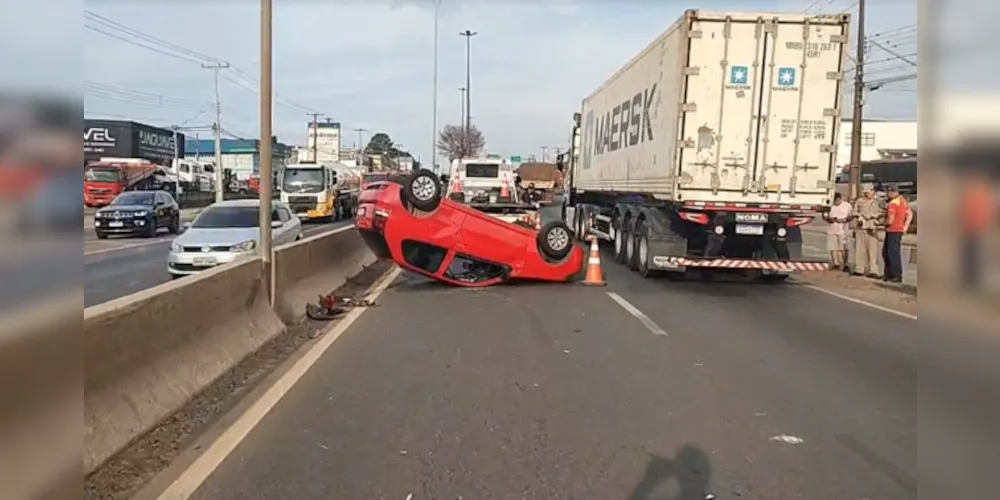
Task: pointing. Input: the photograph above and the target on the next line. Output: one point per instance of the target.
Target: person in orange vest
(978, 216)
(897, 221)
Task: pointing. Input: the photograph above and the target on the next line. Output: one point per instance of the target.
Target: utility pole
(434, 113)
(217, 130)
(315, 136)
(177, 167)
(266, 32)
(859, 102)
(545, 149)
(468, 34)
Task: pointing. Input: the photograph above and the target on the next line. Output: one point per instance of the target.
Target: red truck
(107, 178)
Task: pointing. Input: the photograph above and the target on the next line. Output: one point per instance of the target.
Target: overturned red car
(409, 221)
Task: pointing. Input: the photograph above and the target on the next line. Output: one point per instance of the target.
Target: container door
(720, 114)
(801, 109)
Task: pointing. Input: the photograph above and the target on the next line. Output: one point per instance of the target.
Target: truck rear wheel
(620, 235)
(642, 250)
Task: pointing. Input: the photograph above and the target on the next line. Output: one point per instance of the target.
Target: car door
(162, 209)
(293, 223)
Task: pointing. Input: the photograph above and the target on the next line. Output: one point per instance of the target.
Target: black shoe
(874, 276)
(896, 280)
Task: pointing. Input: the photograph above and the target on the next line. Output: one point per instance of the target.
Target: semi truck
(319, 191)
(712, 147)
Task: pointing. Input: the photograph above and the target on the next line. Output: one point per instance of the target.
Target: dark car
(138, 212)
(410, 222)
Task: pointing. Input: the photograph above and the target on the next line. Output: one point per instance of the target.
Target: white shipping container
(722, 108)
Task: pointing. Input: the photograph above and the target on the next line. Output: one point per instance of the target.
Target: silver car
(226, 232)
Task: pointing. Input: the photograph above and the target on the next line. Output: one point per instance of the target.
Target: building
(128, 139)
(880, 140)
(325, 137)
(240, 156)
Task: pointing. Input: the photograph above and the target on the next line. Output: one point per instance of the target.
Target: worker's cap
(891, 188)
(867, 187)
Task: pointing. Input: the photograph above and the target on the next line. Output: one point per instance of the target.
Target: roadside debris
(329, 307)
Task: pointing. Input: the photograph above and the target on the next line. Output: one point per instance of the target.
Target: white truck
(319, 191)
(710, 149)
(488, 185)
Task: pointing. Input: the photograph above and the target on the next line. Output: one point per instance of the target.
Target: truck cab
(105, 179)
(312, 191)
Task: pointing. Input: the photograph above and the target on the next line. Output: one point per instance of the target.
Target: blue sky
(369, 64)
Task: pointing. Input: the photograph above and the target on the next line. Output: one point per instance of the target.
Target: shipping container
(723, 107)
(711, 147)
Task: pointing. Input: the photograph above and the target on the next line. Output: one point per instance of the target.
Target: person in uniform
(868, 216)
(836, 232)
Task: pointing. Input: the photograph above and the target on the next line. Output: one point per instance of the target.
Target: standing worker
(868, 216)
(897, 221)
(836, 232)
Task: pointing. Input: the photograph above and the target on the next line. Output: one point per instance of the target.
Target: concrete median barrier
(306, 269)
(148, 354)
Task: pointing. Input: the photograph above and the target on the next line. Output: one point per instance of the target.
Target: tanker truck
(710, 149)
(319, 191)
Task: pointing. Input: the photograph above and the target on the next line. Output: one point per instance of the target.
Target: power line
(150, 38)
(137, 44)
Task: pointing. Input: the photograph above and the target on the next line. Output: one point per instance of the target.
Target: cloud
(370, 64)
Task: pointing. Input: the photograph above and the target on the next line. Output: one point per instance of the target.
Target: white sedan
(227, 231)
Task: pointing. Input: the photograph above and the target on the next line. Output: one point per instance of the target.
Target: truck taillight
(696, 217)
(798, 221)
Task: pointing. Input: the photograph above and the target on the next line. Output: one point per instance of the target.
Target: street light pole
(462, 89)
(265, 143)
(434, 114)
(468, 34)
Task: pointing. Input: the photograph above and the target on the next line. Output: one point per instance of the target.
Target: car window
(134, 198)
(219, 217)
(167, 198)
(283, 214)
(469, 270)
(423, 256)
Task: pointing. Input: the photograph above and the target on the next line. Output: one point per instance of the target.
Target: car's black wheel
(422, 190)
(175, 224)
(151, 226)
(101, 235)
(555, 240)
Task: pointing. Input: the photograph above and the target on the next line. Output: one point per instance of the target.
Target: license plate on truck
(758, 218)
(750, 229)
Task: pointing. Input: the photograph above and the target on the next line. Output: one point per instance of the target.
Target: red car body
(398, 232)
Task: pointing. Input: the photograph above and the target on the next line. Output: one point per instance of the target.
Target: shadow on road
(690, 467)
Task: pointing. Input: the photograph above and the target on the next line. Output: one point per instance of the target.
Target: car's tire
(175, 224)
(101, 235)
(151, 228)
(422, 191)
(555, 240)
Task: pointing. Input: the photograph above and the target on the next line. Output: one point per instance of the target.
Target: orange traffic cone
(595, 276)
(538, 221)
(505, 188)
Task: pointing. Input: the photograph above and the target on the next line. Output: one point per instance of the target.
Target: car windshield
(303, 180)
(134, 198)
(482, 170)
(219, 217)
(101, 174)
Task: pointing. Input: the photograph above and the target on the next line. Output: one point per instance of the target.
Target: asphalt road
(759, 391)
(121, 266)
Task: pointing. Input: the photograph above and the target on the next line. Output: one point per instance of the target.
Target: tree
(380, 143)
(454, 141)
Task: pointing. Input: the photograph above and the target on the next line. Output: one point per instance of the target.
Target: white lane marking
(863, 302)
(191, 478)
(639, 315)
(126, 247)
